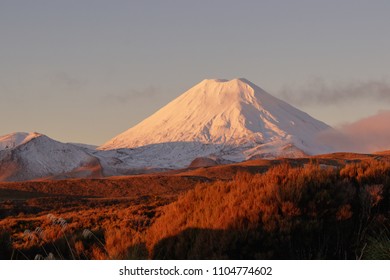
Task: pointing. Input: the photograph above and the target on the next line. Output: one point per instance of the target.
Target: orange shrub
(304, 212)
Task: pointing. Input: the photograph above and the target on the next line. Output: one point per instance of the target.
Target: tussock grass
(287, 211)
(300, 213)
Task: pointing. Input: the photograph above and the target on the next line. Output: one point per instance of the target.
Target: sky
(85, 70)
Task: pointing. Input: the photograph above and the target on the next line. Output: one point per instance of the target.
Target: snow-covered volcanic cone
(234, 113)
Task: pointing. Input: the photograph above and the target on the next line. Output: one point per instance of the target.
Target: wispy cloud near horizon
(317, 91)
(67, 82)
(131, 94)
(367, 135)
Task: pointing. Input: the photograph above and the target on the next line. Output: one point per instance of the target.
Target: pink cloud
(367, 135)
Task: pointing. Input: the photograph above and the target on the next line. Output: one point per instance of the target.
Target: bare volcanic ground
(126, 217)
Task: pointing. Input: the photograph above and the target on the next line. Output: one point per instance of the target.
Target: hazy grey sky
(86, 70)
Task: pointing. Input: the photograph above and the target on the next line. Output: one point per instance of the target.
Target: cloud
(371, 134)
(131, 95)
(319, 92)
(67, 82)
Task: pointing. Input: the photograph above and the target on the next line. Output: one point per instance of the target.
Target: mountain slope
(26, 156)
(233, 114)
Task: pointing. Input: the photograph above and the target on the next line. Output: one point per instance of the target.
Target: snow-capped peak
(25, 156)
(224, 112)
(16, 139)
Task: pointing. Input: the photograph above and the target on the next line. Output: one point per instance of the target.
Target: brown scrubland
(325, 207)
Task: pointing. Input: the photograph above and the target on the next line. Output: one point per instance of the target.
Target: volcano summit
(234, 112)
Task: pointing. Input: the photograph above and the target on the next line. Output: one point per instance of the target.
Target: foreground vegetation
(291, 211)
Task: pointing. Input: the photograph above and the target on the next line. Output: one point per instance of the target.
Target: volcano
(231, 113)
